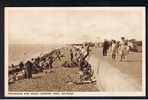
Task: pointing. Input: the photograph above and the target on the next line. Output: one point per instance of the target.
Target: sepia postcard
(74, 51)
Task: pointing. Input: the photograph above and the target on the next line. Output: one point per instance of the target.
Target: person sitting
(85, 71)
(21, 65)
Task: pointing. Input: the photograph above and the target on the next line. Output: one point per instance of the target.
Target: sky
(72, 25)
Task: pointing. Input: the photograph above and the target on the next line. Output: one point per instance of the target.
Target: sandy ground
(57, 80)
(125, 74)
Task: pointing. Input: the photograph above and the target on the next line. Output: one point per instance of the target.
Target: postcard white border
(61, 94)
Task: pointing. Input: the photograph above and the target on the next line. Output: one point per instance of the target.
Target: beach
(128, 72)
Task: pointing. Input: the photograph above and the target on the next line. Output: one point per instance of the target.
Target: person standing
(28, 69)
(58, 53)
(50, 62)
(71, 55)
(85, 50)
(105, 47)
(123, 41)
(115, 49)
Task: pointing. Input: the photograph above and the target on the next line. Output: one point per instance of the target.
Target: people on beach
(12, 65)
(71, 55)
(78, 57)
(85, 69)
(28, 69)
(85, 50)
(58, 54)
(21, 65)
(50, 62)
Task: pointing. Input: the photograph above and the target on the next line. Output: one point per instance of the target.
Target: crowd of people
(117, 48)
(39, 64)
(77, 57)
(33, 66)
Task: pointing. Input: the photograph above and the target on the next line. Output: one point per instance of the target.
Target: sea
(24, 52)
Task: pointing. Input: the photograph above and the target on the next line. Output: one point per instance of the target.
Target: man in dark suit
(105, 47)
(28, 69)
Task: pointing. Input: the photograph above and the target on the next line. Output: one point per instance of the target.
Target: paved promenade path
(114, 75)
